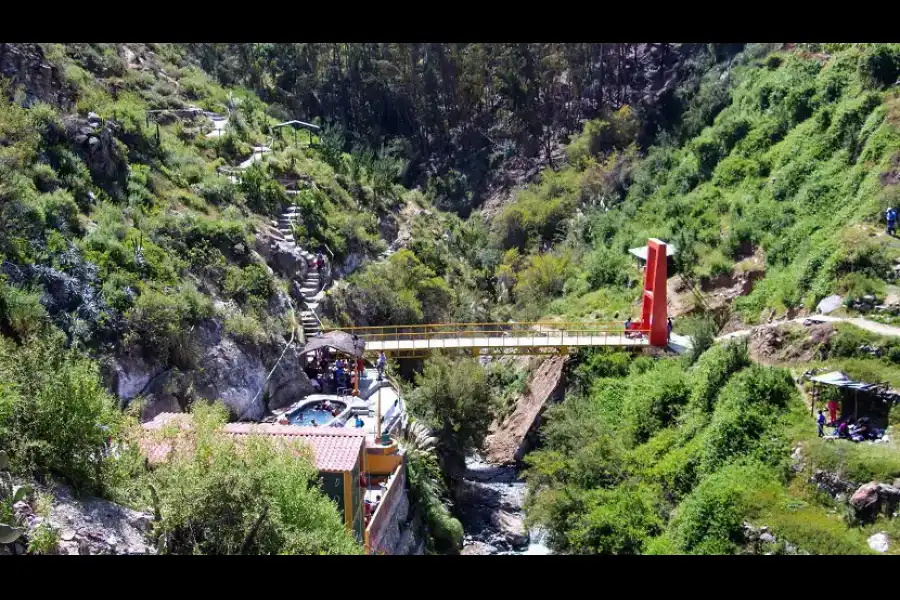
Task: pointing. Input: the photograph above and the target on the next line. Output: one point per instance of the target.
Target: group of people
(850, 429)
(342, 375)
(630, 327)
(856, 430)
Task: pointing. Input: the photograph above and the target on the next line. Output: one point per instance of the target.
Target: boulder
(511, 528)
(235, 377)
(879, 542)
(478, 549)
(95, 142)
(874, 498)
(829, 304)
(832, 484)
(280, 254)
(131, 375)
(289, 382)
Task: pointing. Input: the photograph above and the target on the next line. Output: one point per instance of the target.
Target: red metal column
(654, 311)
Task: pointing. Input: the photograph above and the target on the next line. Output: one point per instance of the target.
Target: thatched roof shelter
(337, 340)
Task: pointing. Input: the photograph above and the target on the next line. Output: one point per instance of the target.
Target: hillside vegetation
(140, 273)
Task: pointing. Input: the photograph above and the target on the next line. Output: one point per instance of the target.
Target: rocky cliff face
(80, 526)
(25, 65)
(228, 370)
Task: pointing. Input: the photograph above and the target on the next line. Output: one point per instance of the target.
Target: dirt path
(874, 327)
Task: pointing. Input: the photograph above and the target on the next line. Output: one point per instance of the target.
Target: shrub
(710, 519)
(454, 398)
(61, 211)
(246, 328)
(251, 285)
(747, 408)
(214, 490)
(880, 67)
(428, 492)
(713, 370)
(702, 332)
(653, 399)
(43, 539)
(606, 268)
(160, 323)
(21, 312)
(616, 521)
(55, 415)
(543, 278)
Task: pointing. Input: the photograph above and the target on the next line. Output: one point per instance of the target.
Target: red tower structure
(654, 311)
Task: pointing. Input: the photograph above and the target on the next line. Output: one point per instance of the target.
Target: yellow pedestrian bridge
(539, 337)
(542, 337)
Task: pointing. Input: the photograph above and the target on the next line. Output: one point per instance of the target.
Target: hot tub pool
(305, 415)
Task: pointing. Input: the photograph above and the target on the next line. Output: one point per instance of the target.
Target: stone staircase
(311, 288)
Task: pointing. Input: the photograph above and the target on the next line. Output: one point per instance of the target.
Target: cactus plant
(9, 534)
(10, 494)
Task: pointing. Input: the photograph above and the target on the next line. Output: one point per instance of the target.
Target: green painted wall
(333, 486)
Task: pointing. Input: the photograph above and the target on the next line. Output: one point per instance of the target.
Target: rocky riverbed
(489, 504)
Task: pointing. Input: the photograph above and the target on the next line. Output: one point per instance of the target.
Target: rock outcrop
(508, 441)
(27, 67)
(95, 141)
(833, 485)
(281, 254)
(86, 526)
(873, 499)
(232, 372)
(511, 528)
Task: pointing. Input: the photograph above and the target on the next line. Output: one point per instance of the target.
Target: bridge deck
(517, 337)
(500, 341)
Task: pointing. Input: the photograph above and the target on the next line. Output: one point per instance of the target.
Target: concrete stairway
(311, 286)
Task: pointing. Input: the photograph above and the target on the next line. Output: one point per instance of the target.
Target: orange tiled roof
(335, 450)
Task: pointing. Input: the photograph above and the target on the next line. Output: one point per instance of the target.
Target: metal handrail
(604, 324)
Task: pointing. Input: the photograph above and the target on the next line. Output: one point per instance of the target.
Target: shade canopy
(337, 340)
(299, 125)
(839, 379)
(641, 252)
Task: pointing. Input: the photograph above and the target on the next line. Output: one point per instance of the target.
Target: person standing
(320, 261)
(382, 361)
(820, 422)
(833, 410)
(891, 216)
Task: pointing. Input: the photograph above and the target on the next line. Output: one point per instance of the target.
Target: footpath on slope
(872, 326)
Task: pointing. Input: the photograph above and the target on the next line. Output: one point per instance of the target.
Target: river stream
(490, 508)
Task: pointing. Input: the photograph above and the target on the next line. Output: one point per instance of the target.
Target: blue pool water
(307, 414)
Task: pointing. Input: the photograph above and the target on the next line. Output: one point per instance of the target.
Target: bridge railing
(534, 329)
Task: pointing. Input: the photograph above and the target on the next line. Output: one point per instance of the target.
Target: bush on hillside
(713, 370)
(56, 416)
(454, 398)
(221, 495)
(616, 521)
(654, 399)
(160, 324)
(710, 519)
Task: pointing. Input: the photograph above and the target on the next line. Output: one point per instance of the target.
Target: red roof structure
(335, 450)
